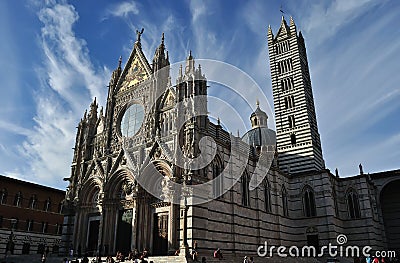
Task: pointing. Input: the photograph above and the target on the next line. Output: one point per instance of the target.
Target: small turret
(260, 134)
(259, 118)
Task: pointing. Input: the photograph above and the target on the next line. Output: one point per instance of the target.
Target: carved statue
(139, 33)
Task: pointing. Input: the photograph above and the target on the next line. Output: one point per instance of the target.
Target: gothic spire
(160, 60)
(93, 108)
(189, 63)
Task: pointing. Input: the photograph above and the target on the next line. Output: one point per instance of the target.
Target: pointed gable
(283, 31)
(136, 70)
(168, 100)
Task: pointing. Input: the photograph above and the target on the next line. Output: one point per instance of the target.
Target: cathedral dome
(259, 136)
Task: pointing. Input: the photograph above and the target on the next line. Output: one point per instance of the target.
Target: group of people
(375, 260)
(133, 255)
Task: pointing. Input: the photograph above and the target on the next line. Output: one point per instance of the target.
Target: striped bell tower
(298, 140)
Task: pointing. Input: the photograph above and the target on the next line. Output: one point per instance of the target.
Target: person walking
(245, 260)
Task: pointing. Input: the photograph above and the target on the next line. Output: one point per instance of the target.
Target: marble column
(172, 229)
(134, 226)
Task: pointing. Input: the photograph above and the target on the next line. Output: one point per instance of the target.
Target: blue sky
(58, 55)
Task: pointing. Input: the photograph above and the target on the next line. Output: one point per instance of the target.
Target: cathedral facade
(150, 126)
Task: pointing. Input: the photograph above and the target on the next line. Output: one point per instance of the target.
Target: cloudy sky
(56, 56)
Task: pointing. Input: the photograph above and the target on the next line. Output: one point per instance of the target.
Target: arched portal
(120, 213)
(390, 204)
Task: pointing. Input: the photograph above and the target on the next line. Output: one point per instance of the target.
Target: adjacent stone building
(113, 202)
(30, 217)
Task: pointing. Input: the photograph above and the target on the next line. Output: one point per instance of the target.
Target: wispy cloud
(123, 9)
(205, 40)
(68, 81)
(325, 19)
(11, 127)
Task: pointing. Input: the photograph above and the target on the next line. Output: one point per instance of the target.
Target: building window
(14, 223)
(44, 227)
(285, 202)
(59, 229)
(282, 47)
(335, 202)
(18, 199)
(309, 202)
(217, 180)
(289, 102)
(353, 205)
(1, 221)
(287, 84)
(267, 197)
(285, 66)
(132, 120)
(245, 190)
(293, 139)
(29, 225)
(33, 202)
(47, 204)
(291, 121)
(3, 196)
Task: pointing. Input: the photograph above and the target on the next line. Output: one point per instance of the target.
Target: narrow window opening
(293, 139)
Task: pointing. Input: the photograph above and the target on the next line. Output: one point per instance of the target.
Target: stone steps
(174, 259)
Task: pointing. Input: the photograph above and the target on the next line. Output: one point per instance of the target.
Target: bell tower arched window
(293, 139)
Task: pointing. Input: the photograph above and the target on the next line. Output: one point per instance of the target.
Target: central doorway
(160, 234)
(93, 235)
(124, 231)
